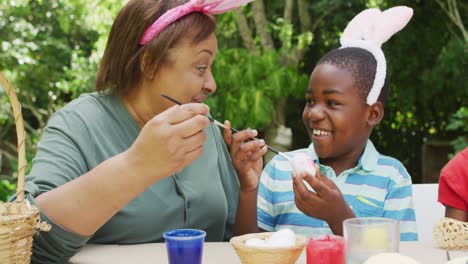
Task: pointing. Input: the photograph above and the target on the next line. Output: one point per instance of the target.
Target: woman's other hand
(246, 155)
(170, 141)
(327, 203)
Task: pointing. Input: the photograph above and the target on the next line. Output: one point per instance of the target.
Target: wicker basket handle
(21, 136)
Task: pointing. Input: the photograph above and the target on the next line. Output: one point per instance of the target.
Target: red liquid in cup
(326, 250)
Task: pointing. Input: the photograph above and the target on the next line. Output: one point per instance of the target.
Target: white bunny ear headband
(369, 30)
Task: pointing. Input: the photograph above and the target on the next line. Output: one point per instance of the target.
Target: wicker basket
(18, 220)
(451, 234)
(259, 255)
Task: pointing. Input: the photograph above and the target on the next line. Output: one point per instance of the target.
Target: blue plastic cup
(185, 246)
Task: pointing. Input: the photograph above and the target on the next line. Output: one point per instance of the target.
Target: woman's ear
(147, 71)
(376, 113)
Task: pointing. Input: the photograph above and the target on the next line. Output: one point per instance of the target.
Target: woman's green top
(96, 127)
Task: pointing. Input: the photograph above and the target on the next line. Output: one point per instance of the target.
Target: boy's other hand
(327, 203)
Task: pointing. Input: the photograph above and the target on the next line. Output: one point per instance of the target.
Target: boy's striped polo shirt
(379, 186)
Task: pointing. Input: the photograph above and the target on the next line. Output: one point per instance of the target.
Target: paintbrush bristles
(284, 156)
(219, 123)
(216, 122)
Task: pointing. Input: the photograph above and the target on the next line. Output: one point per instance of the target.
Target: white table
(424, 252)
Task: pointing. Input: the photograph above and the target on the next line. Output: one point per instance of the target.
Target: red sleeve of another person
(453, 182)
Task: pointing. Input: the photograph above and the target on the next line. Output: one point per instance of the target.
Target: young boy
(345, 100)
(453, 187)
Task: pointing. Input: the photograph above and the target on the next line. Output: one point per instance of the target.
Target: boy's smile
(336, 115)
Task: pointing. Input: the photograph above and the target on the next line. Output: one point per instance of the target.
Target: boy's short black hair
(362, 66)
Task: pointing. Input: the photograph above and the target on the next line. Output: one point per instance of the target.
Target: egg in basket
(282, 247)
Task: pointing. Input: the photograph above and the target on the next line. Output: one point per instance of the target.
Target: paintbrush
(216, 122)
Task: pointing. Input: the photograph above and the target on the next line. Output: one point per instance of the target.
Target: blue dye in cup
(185, 246)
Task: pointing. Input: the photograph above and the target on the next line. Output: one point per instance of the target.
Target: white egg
(255, 242)
(302, 163)
(285, 233)
(282, 238)
(281, 243)
(390, 258)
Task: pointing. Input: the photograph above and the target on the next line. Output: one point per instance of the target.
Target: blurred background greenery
(50, 51)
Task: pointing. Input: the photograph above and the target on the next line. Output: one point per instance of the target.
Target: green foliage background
(459, 122)
(50, 50)
(248, 91)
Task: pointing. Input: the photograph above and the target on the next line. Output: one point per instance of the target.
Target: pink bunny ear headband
(369, 30)
(172, 15)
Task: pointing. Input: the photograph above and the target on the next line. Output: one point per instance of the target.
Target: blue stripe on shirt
(265, 218)
(283, 197)
(277, 197)
(403, 215)
(266, 193)
(368, 179)
(408, 236)
(298, 220)
(389, 161)
(401, 192)
(282, 175)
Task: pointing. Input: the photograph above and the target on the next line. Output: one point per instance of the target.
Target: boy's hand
(246, 156)
(326, 204)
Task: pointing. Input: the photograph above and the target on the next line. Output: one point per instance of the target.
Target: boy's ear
(376, 113)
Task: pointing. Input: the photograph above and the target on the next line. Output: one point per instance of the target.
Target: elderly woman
(123, 165)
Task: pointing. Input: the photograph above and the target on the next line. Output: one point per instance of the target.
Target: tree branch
(288, 11)
(8, 155)
(451, 9)
(304, 17)
(322, 17)
(299, 52)
(9, 150)
(261, 24)
(245, 32)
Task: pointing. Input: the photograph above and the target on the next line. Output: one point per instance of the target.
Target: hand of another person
(170, 141)
(327, 203)
(246, 156)
(455, 213)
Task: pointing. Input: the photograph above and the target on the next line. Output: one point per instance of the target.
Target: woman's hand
(166, 144)
(327, 203)
(246, 155)
(170, 141)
